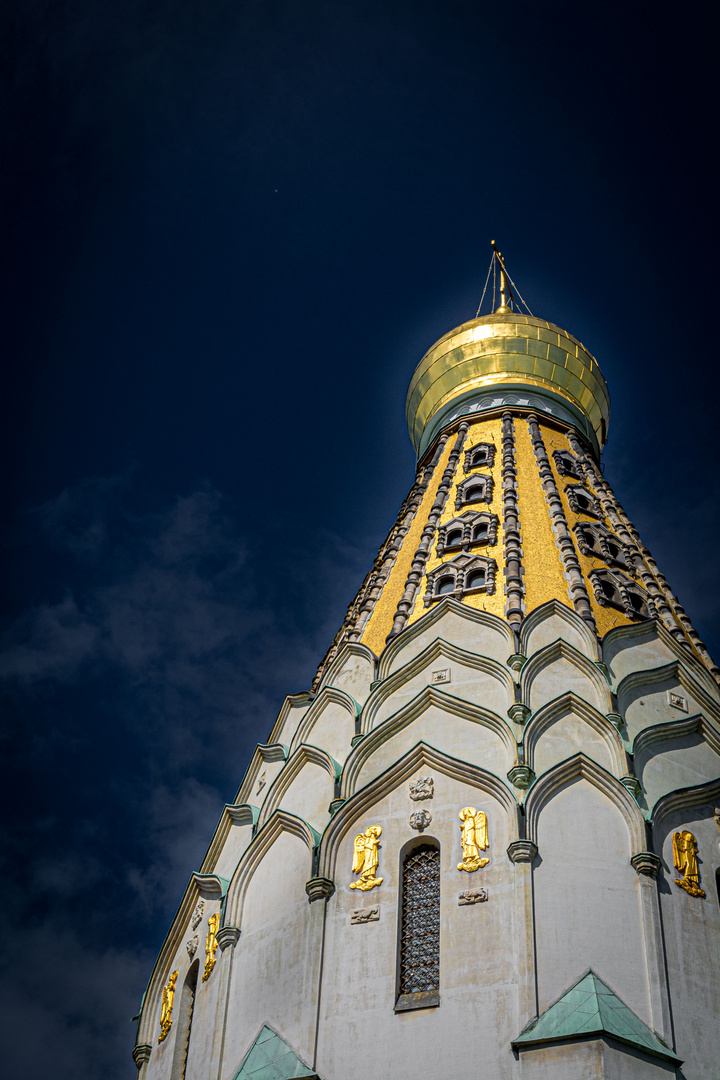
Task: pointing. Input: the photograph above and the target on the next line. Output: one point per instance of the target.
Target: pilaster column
(227, 939)
(514, 588)
(417, 567)
(522, 853)
(647, 866)
(571, 564)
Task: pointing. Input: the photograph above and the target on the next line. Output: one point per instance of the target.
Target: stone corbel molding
(424, 624)
(646, 863)
(421, 756)
(227, 937)
(210, 886)
(319, 888)
(141, 1054)
(522, 851)
(583, 767)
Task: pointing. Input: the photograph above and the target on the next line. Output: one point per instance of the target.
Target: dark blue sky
(230, 232)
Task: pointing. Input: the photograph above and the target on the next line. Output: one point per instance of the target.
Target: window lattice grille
(420, 941)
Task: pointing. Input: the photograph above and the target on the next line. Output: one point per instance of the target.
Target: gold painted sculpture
(685, 859)
(474, 838)
(166, 1008)
(365, 858)
(211, 945)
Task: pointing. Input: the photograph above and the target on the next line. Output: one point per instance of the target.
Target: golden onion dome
(501, 360)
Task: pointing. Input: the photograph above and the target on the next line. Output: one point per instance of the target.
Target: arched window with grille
(419, 953)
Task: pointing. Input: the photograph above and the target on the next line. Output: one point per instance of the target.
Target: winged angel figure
(685, 859)
(365, 858)
(474, 838)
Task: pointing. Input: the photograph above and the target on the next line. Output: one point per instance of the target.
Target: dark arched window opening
(636, 602)
(583, 503)
(445, 585)
(476, 580)
(454, 538)
(480, 532)
(184, 1023)
(474, 493)
(419, 982)
(612, 551)
(480, 456)
(608, 589)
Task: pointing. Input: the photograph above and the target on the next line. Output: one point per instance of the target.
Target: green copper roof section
(270, 1058)
(591, 1008)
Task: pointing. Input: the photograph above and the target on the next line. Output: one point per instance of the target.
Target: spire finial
(508, 288)
(507, 300)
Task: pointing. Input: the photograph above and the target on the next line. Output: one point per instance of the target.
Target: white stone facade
(584, 764)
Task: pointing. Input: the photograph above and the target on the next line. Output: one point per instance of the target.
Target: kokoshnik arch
(484, 843)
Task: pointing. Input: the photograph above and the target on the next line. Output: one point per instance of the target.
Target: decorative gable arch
(561, 706)
(582, 767)
(423, 626)
(557, 651)
(421, 755)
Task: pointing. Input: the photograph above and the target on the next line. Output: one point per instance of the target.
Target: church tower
(484, 843)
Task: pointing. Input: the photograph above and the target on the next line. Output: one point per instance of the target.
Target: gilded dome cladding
(506, 352)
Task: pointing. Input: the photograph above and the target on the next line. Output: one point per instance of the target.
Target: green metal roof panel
(270, 1058)
(590, 1007)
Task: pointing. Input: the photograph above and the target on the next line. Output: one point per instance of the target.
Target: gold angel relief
(211, 945)
(685, 859)
(166, 1007)
(365, 858)
(474, 838)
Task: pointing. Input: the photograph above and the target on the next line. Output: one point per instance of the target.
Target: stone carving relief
(476, 488)
(471, 529)
(363, 915)
(442, 675)
(474, 838)
(685, 859)
(166, 1007)
(472, 896)
(677, 701)
(420, 819)
(192, 945)
(197, 914)
(567, 464)
(422, 788)
(365, 858)
(482, 454)
(464, 574)
(620, 591)
(261, 782)
(211, 944)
